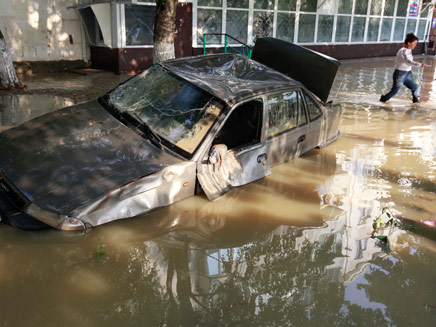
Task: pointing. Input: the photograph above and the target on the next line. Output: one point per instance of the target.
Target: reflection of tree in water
(8, 111)
(273, 284)
(409, 298)
(278, 280)
(273, 280)
(140, 297)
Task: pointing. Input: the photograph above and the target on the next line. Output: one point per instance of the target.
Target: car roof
(230, 77)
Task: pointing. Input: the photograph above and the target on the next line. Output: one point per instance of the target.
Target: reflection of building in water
(360, 201)
(313, 258)
(303, 261)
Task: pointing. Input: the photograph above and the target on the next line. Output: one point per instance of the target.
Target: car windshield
(176, 110)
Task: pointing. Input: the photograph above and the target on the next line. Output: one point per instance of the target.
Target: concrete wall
(41, 30)
(135, 59)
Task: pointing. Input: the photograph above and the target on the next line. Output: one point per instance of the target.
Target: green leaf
(382, 238)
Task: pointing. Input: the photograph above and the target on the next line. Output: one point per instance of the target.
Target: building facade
(43, 30)
(341, 28)
(119, 33)
(344, 29)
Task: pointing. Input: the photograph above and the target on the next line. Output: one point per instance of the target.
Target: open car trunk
(313, 69)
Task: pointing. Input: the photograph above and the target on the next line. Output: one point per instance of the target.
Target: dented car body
(206, 123)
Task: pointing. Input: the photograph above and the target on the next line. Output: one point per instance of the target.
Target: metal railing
(242, 48)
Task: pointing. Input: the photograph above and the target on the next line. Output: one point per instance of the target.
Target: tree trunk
(8, 75)
(164, 27)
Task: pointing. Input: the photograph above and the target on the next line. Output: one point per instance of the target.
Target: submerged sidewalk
(83, 84)
(48, 92)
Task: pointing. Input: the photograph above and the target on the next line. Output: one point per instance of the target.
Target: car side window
(285, 111)
(243, 125)
(312, 109)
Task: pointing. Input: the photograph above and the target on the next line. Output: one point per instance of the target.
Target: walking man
(403, 66)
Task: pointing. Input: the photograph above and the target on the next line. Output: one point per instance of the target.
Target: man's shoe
(383, 99)
(416, 100)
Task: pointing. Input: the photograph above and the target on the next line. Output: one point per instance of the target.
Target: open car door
(225, 169)
(246, 161)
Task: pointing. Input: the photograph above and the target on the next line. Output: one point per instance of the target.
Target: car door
(287, 128)
(237, 155)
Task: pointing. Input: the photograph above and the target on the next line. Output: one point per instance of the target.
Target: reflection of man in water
(403, 70)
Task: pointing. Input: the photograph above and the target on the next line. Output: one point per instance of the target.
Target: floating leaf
(382, 238)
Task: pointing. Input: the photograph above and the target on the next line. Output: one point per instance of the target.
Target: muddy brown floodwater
(293, 249)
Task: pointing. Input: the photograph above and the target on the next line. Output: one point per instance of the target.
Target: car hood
(76, 155)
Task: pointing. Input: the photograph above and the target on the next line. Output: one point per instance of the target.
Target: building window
(285, 26)
(237, 4)
(373, 27)
(308, 5)
(139, 22)
(345, 6)
(376, 7)
(343, 28)
(358, 29)
(425, 8)
(263, 4)
(325, 28)
(385, 34)
(236, 24)
(262, 24)
(403, 5)
(209, 21)
(421, 29)
(399, 29)
(306, 28)
(211, 3)
(411, 26)
(389, 7)
(309, 21)
(288, 5)
(361, 7)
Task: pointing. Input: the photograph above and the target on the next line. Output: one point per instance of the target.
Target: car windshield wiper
(152, 135)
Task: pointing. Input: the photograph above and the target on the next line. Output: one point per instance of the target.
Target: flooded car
(206, 123)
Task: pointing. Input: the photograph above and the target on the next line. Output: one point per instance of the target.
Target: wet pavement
(293, 249)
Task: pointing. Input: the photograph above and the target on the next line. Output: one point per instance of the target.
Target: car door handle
(262, 158)
(301, 138)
